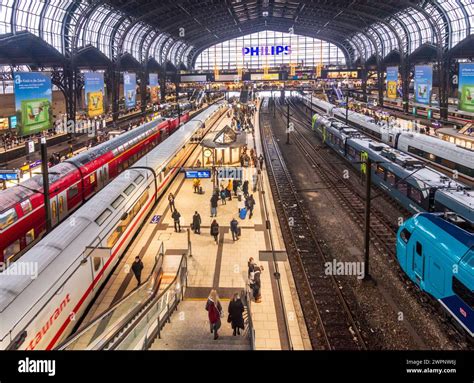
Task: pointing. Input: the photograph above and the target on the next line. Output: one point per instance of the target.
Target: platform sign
(202, 173)
(392, 82)
(423, 83)
(94, 91)
(9, 175)
(466, 87)
(156, 219)
(154, 88)
(130, 90)
(33, 102)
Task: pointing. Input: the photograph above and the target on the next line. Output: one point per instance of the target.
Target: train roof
(425, 175)
(115, 143)
(458, 196)
(58, 251)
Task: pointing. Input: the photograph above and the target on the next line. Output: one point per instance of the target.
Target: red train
(22, 213)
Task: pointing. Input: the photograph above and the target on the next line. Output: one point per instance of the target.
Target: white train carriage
(71, 263)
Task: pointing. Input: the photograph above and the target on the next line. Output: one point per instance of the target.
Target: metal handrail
(251, 329)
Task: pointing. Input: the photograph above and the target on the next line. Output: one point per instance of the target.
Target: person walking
(235, 186)
(236, 314)
(196, 185)
(256, 284)
(250, 205)
(171, 202)
(223, 195)
(215, 230)
(245, 188)
(137, 268)
(214, 310)
(251, 267)
(229, 190)
(214, 201)
(176, 218)
(234, 228)
(197, 223)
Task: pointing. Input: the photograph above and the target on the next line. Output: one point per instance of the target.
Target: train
(438, 256)
(445, 155)
(404, 177)
(72, 182)
(74, 260)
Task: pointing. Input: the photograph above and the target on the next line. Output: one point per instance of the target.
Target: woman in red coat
(214, 310)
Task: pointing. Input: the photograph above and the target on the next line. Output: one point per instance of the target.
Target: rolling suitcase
(243, 213)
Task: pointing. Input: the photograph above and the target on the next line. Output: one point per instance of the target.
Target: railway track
(330, 323)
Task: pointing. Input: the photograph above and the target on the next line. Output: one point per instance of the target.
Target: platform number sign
(291, 128)
(156, 219)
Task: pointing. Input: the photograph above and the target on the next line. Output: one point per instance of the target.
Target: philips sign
(273, 50)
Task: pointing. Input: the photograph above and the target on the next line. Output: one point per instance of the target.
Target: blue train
(404, 177)
(438, 256)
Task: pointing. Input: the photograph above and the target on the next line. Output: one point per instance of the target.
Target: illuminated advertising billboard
(341, 74)
(130, 90)
(267, 50)
(154, 88)
(392, 81)
(423, 83)
(264, 77)
(33, 102)
(194, 78)
(466, 87)
(94, 92)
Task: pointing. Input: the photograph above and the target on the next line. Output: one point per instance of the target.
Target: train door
(59, 208)
(418, 262)
(103, 176)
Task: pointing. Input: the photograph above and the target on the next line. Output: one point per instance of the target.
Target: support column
(69, 92)
(143, 90)
(444, 86)
(115, 80)
(405, 74)
(364, 83)
(380, 84)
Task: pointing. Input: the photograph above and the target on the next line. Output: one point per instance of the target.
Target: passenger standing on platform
(196, 185)
(236, 314)
(234, 228)
(171, 201)
(235, 185)
(251, 265)
(256, 284)
(245, 188)
(241, 204)
(223, 196)
(215, 230)
(261, 159)
(250, 205)
(214, 310)
(137, 268)
(229, 190)
(214, 200)
(176, 218)
(197, 223)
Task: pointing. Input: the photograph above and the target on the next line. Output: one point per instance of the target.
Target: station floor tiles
(221, 266)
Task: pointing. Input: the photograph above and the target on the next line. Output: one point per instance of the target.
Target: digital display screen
(9, 176)
(198, 174)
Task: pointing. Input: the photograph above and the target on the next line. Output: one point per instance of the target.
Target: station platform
(222, 266)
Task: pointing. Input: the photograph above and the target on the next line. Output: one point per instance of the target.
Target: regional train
(402, 176)
(76, 258)
(442, 154)
(72, 182)
(438, 256)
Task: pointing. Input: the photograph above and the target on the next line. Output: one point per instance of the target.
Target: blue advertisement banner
(466, 87)
(130, 90)
(197, 174)
(33, 102)
(423, 83)
(94, 93)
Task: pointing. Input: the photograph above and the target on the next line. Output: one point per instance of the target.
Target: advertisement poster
(130, 90)
(94, 93)
(423, 83)
(466, 87)
(392, 82)
(33, 102)
(154, 88)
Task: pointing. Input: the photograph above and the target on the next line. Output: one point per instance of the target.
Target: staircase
(189, 330)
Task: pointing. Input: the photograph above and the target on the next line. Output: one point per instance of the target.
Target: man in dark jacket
(176, 218)
(245, 188)
(250, 205)
(137, 268)
(234, 228)
(214, 201)
(236, 314)
(197, 223)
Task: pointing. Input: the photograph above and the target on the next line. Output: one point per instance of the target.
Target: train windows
(97, 263)
(391, 178)
(415, 195)
(419, 249)
(103, 217)
(351, 152)
(26, 206)
(7, 218)
(463, 292)
(405, 235)
(380, 171)
(11, 250)
(30, 237)
(468, 259)
(129, 190)
(73, 191)
(139, 179)
(118, 202)
(403, 187)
